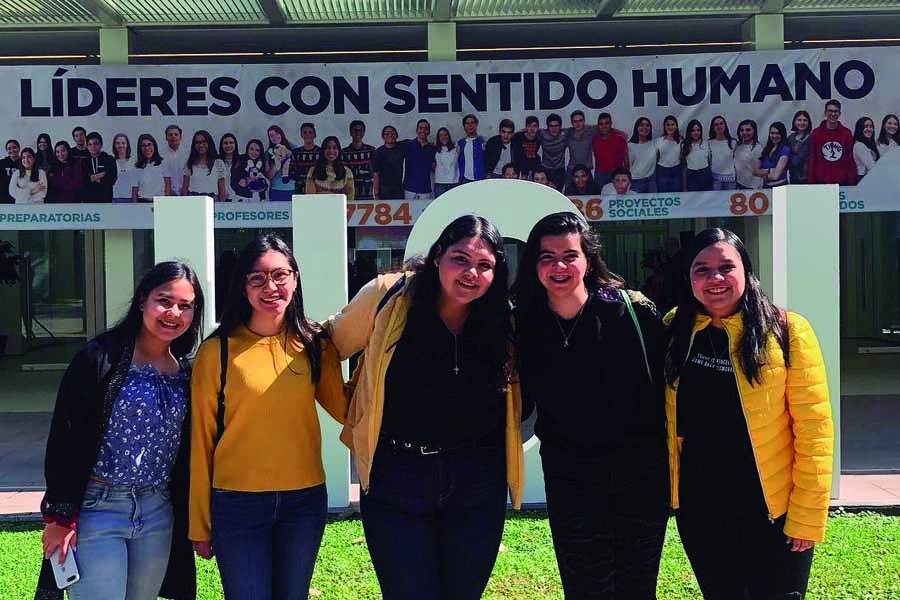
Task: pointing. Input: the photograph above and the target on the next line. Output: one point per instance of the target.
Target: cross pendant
(456, 370)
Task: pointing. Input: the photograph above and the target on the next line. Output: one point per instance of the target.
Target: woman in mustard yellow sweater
(258, 499)
(750, 430)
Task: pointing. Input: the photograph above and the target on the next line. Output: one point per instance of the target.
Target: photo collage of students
(581, 159)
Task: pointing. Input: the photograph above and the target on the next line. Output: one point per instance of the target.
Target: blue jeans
(433, 524)
(699, 180)
(266, 542)
(124, 537)
(646, 185)
(442, 188)
(668, 179)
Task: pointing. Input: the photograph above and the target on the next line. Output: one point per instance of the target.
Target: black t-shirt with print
(718, 467)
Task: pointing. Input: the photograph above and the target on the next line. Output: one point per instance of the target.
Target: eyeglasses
(278, 277)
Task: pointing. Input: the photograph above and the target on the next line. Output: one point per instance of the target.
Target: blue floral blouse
(144, 428)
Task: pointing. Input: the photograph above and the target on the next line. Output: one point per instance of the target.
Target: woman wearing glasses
(258, 498)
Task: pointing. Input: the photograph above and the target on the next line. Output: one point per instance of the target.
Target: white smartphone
(66, 573)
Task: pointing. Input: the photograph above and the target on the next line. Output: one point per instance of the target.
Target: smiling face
(869, 129)
(201, 146)
(79, 138)
(423, 130)
(120, 145)
(254, 151)
(554, 127)
(308, 135)
(718, 279)
(229, 145)
(644, 129)
(561, 265)
(271, 300)
(168, 310)
(891, 125)
(580, 178)
(27, 159)
(470, 126)
(274, 137)
(173, 138)
(330, 151)
(12, 149)
(62, 155)
(774, 136)
(443, 137)
(801, 123)
(832, 114)
(719, 127)
(389, 136)
(147, 148)
(466, 271)
(696, 133)
(604, 126)
(357, 132)
(578, 123)
(43, 144)
(746, 133)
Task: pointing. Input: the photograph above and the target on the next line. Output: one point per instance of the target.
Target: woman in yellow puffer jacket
(750, 431)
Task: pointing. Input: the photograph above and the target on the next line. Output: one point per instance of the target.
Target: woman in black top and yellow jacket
(590, 357)
(434, 420)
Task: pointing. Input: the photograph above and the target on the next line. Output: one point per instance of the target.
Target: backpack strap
(637, 326)
(223, 369)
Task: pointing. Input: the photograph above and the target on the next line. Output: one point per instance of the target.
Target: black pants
(608, 529)
(736, 557)
(433, 524)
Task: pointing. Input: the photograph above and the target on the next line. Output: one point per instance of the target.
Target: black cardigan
(84, 403)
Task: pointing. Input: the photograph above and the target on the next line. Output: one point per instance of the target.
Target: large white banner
(246, 99)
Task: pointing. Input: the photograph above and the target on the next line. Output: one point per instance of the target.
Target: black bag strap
(223, 369)
(392, 291)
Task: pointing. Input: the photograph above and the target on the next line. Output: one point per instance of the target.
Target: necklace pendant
(565, 343)
(456, 370)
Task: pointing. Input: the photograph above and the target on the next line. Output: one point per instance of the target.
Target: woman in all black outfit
(590, 358)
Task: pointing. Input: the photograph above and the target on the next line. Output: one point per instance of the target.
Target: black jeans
(608, 526)
(736, 557)
(433, 524)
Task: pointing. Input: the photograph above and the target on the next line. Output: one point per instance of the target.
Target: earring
(142, 307)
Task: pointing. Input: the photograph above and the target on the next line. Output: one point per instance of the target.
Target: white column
(806, 272)
(114, 45)
(320, 246)
(441, 42)
(118, 262)
(764, 32)
(183, 230)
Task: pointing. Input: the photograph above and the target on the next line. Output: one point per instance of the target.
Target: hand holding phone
(65, 569)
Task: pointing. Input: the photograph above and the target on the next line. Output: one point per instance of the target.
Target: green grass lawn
(860, 561)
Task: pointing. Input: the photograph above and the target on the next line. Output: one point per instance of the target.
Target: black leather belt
(415, 448)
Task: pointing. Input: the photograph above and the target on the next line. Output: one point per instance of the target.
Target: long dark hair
(884, 137)
(752, 124)
(339, 171)
(240, 163)
(142, 161)
(44, 158)
(279, 131)
(211, 154)
(635, 137)
(160, 274)
(238, 311)
(677, 131)
(809, 123)
(237, 151)
(437, 139)
(57, 166)
(859, 136)
(771, 150)
(528, 292)
(712, 131)
(760, 317)
(35, 175)
(488, 318)
(688, 140)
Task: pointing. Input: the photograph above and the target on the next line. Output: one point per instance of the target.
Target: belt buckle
(424, 451)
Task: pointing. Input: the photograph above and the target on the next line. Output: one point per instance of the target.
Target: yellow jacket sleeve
(352, 326)
(204, 407)
(311, 181)
(349, 186)
(330, 387)
(808, 401)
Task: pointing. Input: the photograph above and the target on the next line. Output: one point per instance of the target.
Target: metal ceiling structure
(175, 13)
